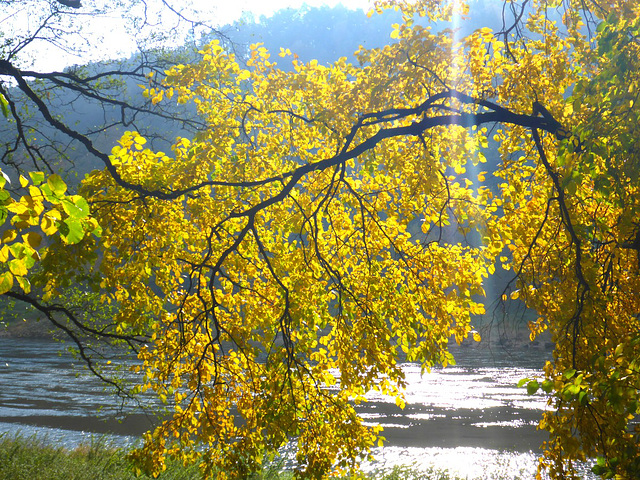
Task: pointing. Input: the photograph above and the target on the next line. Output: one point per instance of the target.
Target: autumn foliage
(288, 258)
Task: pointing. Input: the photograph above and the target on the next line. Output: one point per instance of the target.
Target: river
(469, 418)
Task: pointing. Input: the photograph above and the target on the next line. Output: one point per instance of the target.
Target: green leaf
(17, 250)
(4, 179)
(599, 469)
(532, 387)
(71, 231)
(573, 389)
(547, 386)
(48, 194)
(76, 207)
(30, 261)
(4, 105)
(583, 398)
(36, 177)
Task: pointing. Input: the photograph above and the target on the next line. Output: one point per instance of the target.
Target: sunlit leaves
(4, 106)
(33, 215)
(282, 289)
(593, 381)
(321, 238)
(56, 185)
(6, 281)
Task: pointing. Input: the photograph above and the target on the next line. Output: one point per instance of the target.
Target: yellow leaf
(6, 282)
(9, 235)
(24, 284)
(18, 267)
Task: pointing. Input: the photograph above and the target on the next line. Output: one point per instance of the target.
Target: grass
(411, 473)
(34, 458)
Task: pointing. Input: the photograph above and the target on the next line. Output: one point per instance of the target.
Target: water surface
(470, 418)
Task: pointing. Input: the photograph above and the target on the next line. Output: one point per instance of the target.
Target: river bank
(29, 328)
(32, 458)
(515, 340)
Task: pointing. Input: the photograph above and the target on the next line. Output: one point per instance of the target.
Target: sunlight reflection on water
(466, 462)
(470, 416)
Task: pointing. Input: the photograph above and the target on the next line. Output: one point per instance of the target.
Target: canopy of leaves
(267, 263)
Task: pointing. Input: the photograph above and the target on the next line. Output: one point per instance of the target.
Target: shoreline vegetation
(517, 339)
(33, 458)
(28, 328)
(22, 321)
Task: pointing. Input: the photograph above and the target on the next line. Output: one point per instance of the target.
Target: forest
(273, 222)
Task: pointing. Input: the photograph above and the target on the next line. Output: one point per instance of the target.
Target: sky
(97, 31)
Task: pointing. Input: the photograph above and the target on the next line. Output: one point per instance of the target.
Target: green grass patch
(412, 473)
(33, 458)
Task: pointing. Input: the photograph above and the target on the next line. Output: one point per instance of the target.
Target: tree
(62, 120)
(265, 274)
